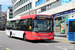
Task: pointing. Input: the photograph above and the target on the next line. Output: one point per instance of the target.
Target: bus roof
(25, 17)
(28, 16)
(32, 16)
(72, 18)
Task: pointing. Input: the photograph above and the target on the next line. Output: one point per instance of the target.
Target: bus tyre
(11, 34)
(24, 38)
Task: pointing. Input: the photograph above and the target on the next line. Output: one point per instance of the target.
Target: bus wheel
(11, 34)
(24, 37)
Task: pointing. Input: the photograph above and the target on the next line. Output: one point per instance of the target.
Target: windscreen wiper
(49, 26)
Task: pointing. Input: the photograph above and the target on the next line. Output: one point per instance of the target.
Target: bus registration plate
(44, 38)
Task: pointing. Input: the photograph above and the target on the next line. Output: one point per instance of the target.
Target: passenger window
(8, 25)
(22, 24)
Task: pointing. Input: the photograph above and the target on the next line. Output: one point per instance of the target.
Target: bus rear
(71, 32)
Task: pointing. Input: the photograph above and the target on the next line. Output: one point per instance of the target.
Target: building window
(43, 8)
(22, 9)
(48, 7)
(10, 9)
(38, 11)
(10, 13)
(24, 1)
(19, 3)
(30, 5)
(25, 8)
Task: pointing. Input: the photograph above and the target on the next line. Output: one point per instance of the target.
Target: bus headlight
(32, 33)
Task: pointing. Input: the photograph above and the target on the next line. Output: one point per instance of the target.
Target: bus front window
(41, 25)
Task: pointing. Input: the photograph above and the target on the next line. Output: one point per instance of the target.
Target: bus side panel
(28, 35)
(74, 36)
(7, 32)
(17, 33)
(71, 36)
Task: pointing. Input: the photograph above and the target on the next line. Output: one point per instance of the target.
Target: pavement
(59, 43)
(63, 39)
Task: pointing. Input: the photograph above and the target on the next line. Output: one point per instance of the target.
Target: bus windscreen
(42, 25)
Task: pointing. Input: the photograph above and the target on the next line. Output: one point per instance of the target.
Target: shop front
(61, 28)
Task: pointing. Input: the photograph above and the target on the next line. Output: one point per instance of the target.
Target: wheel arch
(24, 34)
(10, 32)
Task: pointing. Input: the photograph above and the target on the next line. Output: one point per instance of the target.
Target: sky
(5, 4)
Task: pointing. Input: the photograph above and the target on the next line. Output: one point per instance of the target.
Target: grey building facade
(0, 17)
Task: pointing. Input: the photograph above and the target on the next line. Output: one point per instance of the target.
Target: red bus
(31, 27)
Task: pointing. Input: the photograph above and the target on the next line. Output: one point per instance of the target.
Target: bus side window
(17, 24)
(13, 25)
(22, 25)
(9, 25)
(25, 24)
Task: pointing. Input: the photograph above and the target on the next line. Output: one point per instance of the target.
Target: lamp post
(29, 7)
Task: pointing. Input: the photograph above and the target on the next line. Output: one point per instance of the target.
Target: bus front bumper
(43, 38)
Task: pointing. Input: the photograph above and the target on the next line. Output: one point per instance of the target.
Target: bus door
(60, 28)
(29, 28)
(71, 28)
